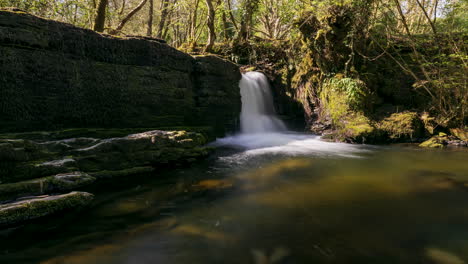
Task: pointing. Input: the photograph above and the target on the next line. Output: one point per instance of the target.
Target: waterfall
(262, 133)
(258, 112)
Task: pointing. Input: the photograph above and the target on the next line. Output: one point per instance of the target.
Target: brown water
(328, 203)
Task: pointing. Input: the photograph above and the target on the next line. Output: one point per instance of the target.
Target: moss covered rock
(343, 101)
(40, 206)
(402, 126)
(435, 142)
(443, 140)
(52, 184)
(357, 128)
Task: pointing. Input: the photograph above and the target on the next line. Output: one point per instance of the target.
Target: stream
(268, 195)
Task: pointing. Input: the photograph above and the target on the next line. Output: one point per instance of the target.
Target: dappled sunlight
(195, 230)
(439, 256)
(270, 173)
(213, 184)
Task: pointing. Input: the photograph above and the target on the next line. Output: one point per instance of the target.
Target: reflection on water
(313, 202)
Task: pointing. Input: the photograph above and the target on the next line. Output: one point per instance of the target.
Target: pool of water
(277, 198)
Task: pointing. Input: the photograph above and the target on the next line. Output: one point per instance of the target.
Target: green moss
(339, 95)
(51, 184)
(357, 128)
(342, 102)
(434, 142)
(401, 125)
(41, 206)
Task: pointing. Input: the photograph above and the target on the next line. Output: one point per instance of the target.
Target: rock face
(54, 75)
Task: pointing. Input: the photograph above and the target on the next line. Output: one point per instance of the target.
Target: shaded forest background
(364, 50)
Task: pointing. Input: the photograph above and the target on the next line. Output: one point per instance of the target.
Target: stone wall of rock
(54, 75)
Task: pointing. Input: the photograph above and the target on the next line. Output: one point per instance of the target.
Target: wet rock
(52, 184)
(442, 140)
(40, 206)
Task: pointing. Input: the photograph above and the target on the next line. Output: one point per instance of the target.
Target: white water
(263, 133)
(258, 112)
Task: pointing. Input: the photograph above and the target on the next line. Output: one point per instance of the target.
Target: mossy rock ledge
(40, 167)
(40, 206)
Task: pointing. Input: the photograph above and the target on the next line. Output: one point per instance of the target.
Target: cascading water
(258, 111)
(263, 133)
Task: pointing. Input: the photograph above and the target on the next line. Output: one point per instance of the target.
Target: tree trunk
(248, 9)
(193, 27)
(225, 27)
(233, 20)
(149, 33)
(162, 22)
(130, 15)
(100, 18)
(211, 27)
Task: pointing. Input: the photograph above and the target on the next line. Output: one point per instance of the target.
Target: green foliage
(354, 91)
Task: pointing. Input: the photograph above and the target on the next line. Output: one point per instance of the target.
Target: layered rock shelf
(30, 168)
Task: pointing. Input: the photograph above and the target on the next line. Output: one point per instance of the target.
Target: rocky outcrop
(50, 167)
(30, 159)
(54, 75)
